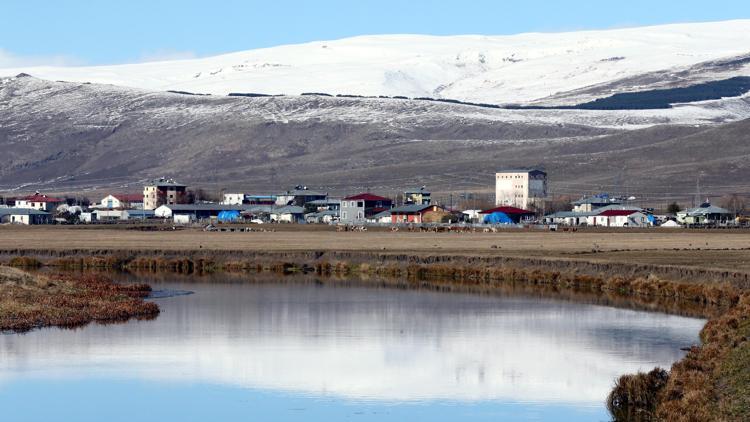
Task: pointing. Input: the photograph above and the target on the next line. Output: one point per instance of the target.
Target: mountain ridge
(64, 136)
(531, 68)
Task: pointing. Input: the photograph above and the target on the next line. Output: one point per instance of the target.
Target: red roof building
(358, 208)
(509, 211)
(129, 197)
(367, 197)
(38, 197)
(39, 202)
(616, 213)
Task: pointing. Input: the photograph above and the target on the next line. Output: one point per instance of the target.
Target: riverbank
(29, 301)
(665, 270)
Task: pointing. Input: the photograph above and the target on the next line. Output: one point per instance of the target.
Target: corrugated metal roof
(303, 192)
(21, 211)
(289, 209)
(325, 202)
(205, 207)
(381, 214)
(413, 208)
(711, 209)
(598, 211)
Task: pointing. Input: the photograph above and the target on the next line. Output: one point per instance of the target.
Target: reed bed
(30, 301)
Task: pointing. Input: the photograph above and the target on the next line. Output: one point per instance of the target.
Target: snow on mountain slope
(525, 68)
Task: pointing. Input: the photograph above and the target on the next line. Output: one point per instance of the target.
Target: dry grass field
(725, 250)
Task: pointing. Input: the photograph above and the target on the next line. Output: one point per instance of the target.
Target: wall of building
(525, 190)
(233, 198)
(352, 211)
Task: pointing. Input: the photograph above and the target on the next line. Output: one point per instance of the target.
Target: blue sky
(120, 31)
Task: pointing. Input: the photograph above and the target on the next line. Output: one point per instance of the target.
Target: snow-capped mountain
(534, 68)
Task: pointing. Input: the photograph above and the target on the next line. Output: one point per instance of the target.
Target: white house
(233, 199)
(288, 214)
(525, 189)
(383, 217)
(39, 202)
(706, 214)
(120, 201)
(622, 218)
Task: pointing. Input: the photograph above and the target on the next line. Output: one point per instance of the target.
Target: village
(521, 200)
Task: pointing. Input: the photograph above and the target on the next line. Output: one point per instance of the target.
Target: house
(120, 215)
(507, 215)
(417, 196)
(192, 212)
(120, 201)
(163, 192)
(87, 217)
(27, 216)
(357, 209)
(258, 212)
(288, 214)
(588, 204)
(39, 202)
(260, 199)
(233, 199)
(622, 218)
(523, 189)
(706, 214)
(299, 196)
(383, 217)
(322, 217)
(329, 204)
(473, 216)
(417, 214)
(584, 218)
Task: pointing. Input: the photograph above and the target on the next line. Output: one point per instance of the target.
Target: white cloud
(12, 60)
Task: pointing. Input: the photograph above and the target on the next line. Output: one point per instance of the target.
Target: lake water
(308, 352)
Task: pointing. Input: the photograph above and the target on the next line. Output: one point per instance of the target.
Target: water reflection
(362, 343)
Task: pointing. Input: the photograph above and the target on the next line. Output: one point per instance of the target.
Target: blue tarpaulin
(227, 216)
(497, 218)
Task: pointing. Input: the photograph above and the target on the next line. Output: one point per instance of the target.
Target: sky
(89, 32)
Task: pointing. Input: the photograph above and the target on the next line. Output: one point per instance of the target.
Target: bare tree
(735, 203)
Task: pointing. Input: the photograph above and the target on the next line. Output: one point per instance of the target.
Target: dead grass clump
(24, 262)
(70, 301)
(712, 381)
(635, 397)
(89, 262)
(177, 265)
